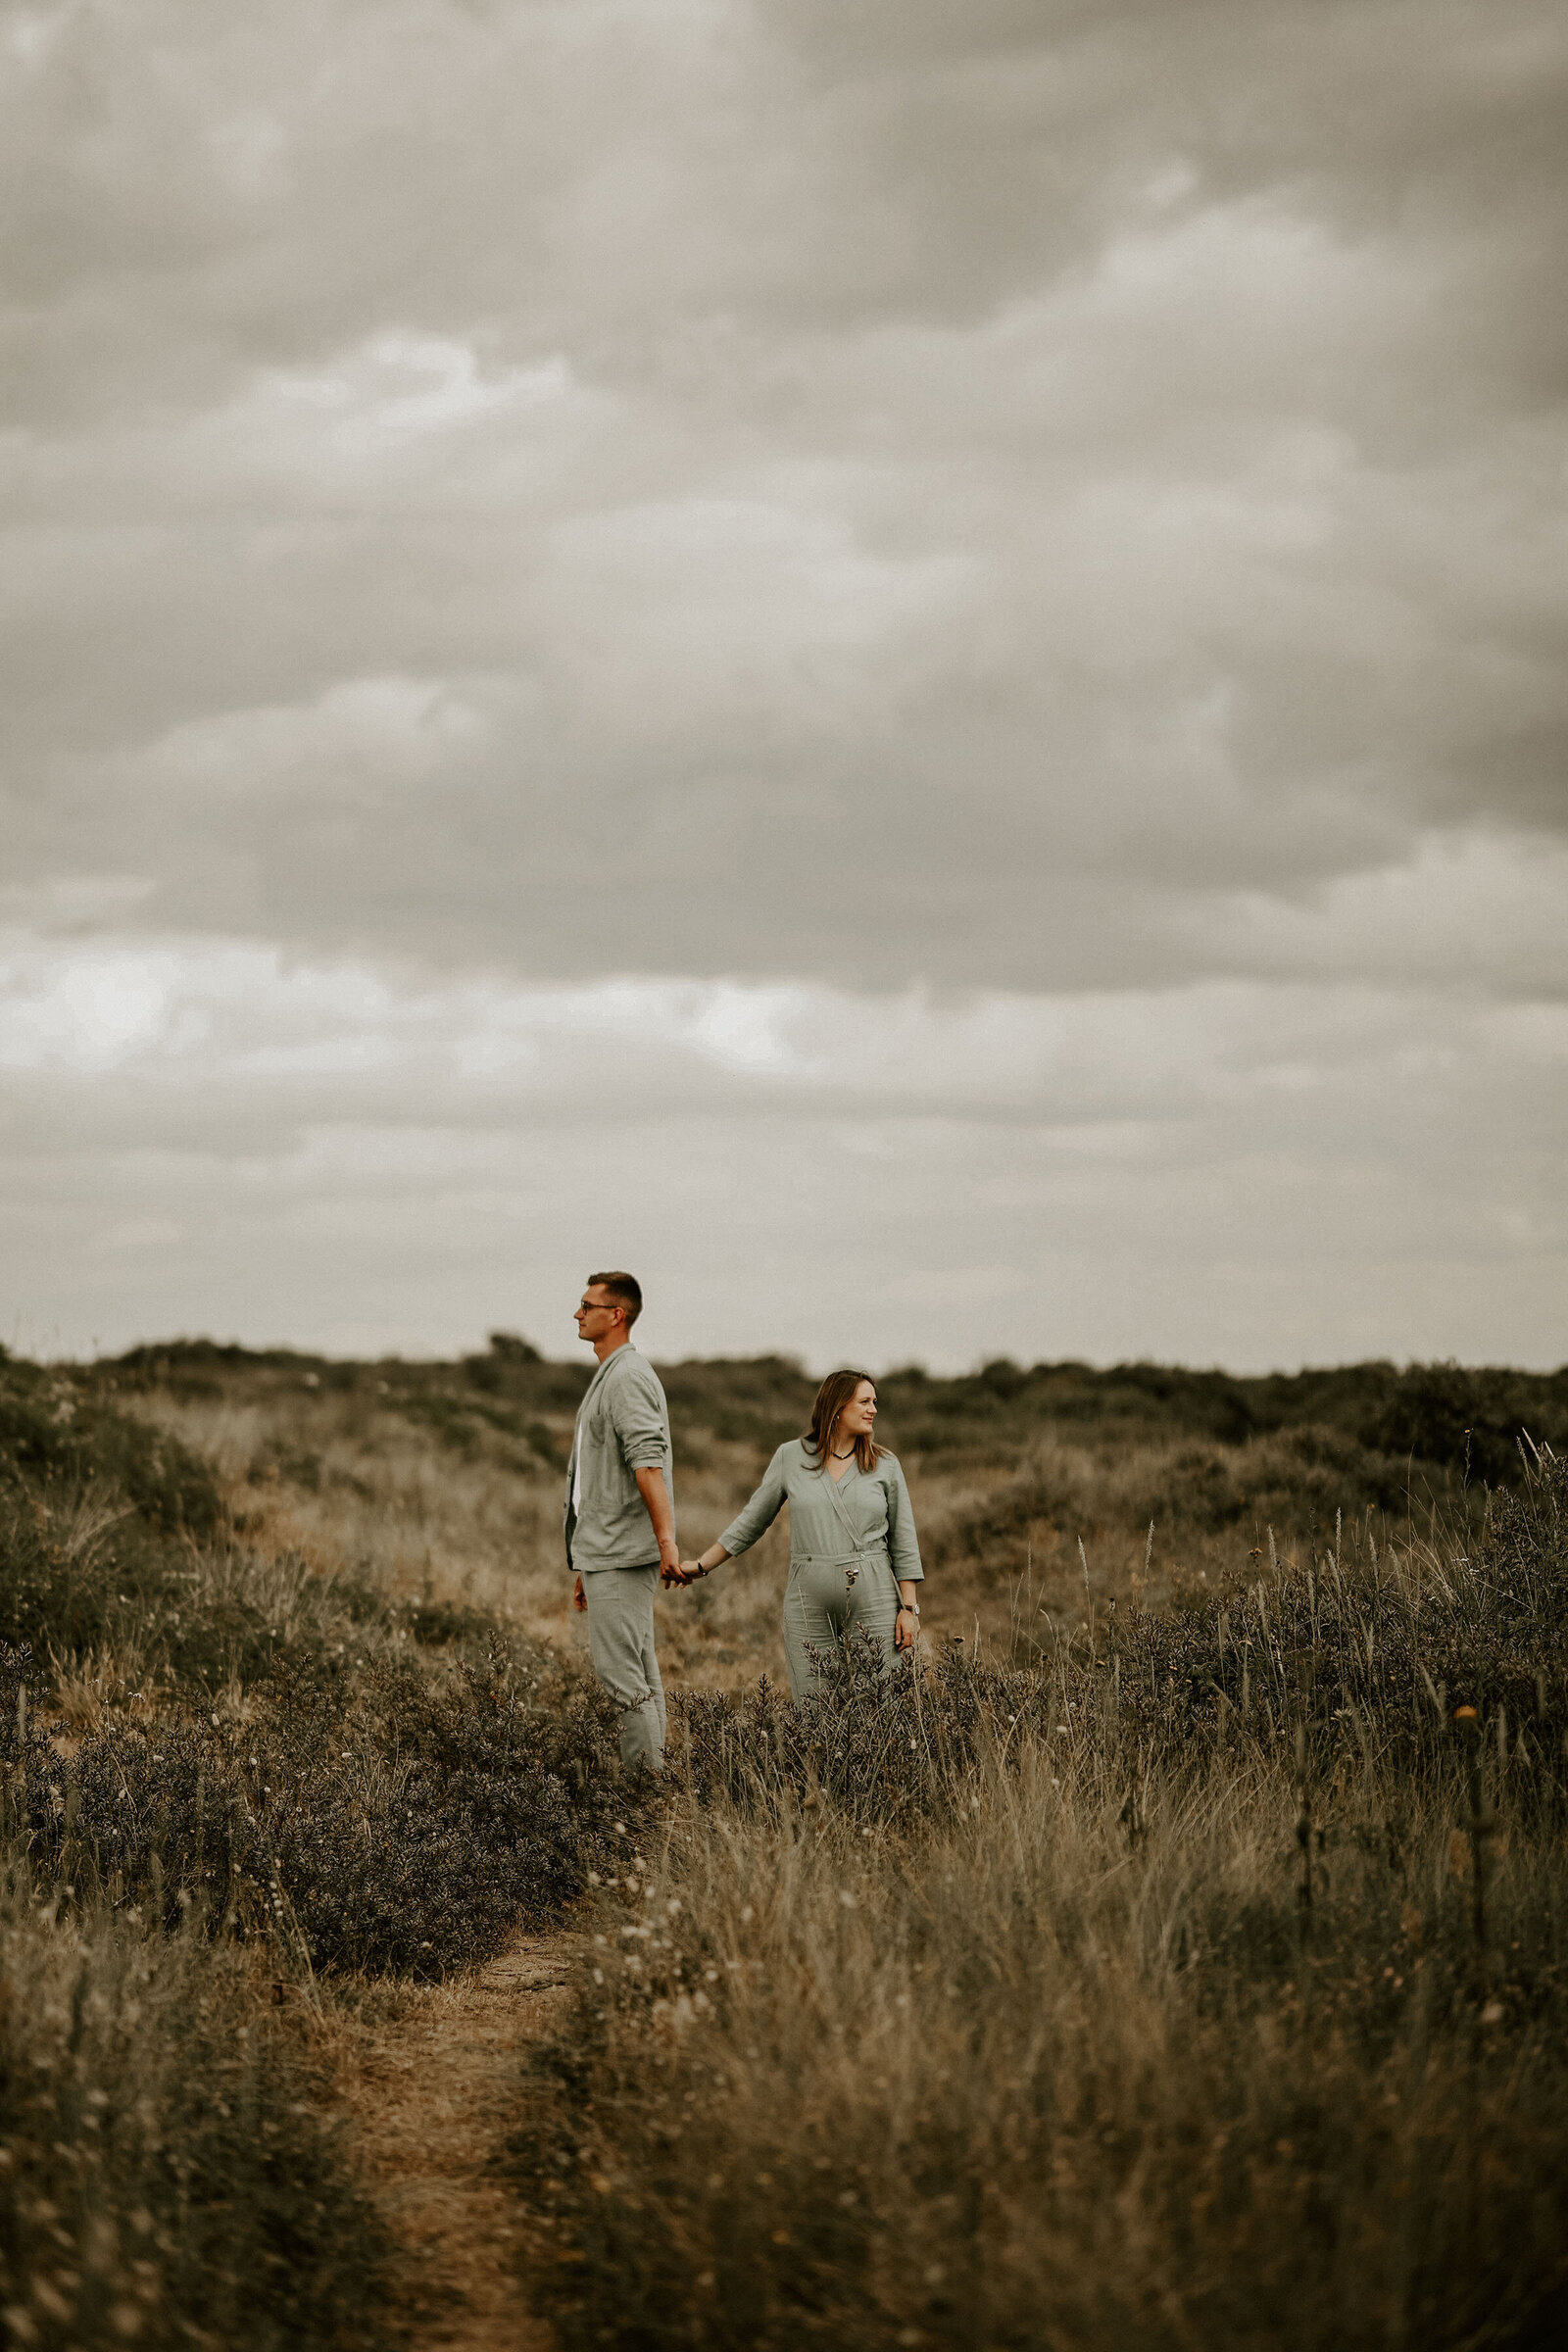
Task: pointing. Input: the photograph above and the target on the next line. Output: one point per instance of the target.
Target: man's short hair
(625, 1290)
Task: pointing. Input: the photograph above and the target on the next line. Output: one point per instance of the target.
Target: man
(620, 1513)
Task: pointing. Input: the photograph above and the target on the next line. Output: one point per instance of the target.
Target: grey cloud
(1049, 499)
(679, 210)
(1219, 1246)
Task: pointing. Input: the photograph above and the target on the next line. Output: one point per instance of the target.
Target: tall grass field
(1176, 1957)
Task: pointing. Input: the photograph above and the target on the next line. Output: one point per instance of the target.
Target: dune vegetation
(1207, 1981)
(1179, 1955)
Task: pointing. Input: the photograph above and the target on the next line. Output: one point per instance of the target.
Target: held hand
(579, 1598)
(671, 1571)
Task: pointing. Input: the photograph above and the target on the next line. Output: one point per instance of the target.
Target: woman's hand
(906, 1628)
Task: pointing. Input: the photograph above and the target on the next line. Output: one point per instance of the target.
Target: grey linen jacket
(867, 1512)
(623, 1427)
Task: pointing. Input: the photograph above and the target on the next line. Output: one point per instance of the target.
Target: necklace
(842, 1457)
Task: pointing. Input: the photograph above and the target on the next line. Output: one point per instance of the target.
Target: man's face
(597, 1314)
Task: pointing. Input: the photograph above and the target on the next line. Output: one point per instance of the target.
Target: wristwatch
(913, 1607)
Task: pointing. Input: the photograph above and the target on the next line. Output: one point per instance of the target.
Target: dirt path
(432, 2096)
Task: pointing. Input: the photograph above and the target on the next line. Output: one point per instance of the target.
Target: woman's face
(859, 1416)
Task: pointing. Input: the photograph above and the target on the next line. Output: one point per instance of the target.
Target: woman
(852, 1533)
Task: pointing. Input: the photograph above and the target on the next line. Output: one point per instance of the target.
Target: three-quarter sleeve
(760, 1513)
(903, 1546)
(634, 1409)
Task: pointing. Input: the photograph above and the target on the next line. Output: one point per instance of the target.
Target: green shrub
(56, 1432)
(374, 1818)
(1376, 1646)
(1468, 1420)
(475, 1804)
(99, 1513)
(435, 1623)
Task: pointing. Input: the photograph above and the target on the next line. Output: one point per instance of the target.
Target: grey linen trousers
(620, 1639)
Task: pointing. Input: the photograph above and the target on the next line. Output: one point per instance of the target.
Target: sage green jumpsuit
(850, 1545)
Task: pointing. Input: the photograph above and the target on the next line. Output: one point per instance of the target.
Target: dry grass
(166, 2175)
(1033, 2083)
(996, 2016)
(355, 1487)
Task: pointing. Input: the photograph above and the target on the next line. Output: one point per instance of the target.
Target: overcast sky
(898, 661)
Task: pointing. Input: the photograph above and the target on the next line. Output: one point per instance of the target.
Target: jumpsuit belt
(839, 1559)
(864, 1555)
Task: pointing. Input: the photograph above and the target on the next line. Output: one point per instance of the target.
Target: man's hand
(579, 1598)
(671, 1571)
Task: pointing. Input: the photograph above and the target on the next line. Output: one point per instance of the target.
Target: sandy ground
(432, 2095)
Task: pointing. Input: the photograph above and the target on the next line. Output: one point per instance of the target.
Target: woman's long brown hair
(831, 1398)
